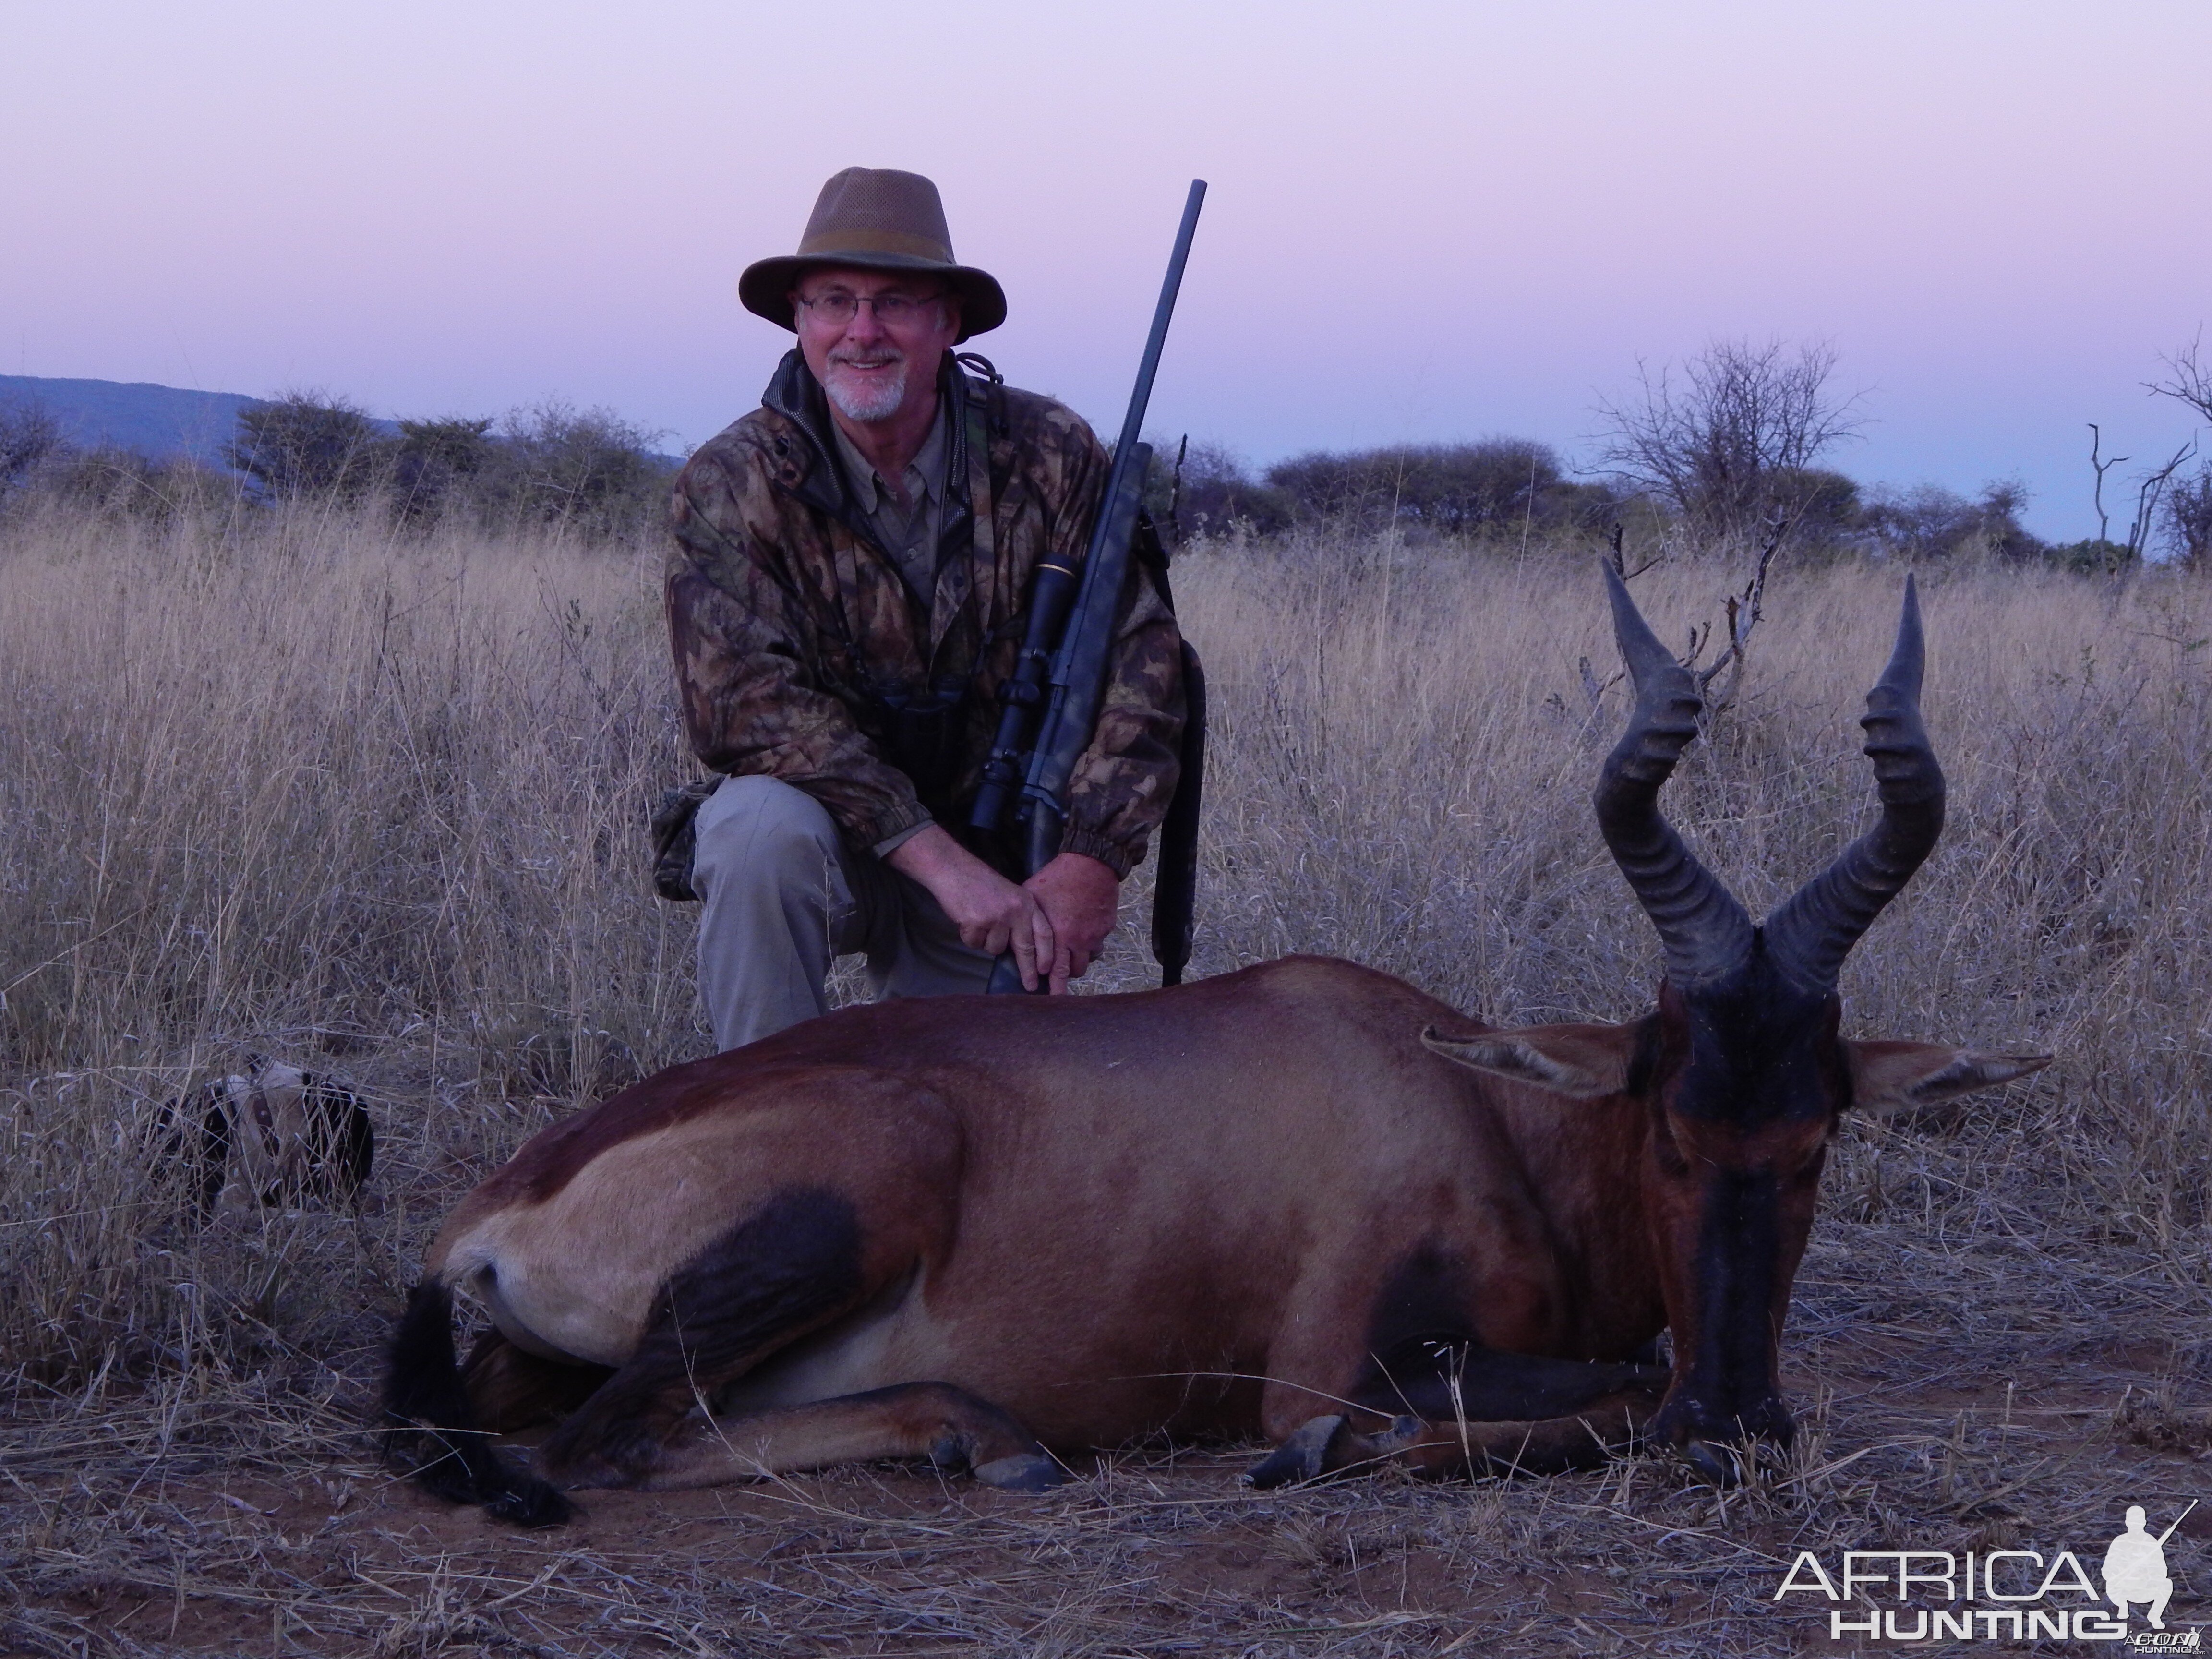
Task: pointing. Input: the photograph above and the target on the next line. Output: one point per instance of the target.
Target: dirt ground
(1959, 1385)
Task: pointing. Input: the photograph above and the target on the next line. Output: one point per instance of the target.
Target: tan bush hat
(875, 219)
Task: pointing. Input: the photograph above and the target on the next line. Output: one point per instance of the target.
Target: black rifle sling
(1175, 869)
(1174, 878)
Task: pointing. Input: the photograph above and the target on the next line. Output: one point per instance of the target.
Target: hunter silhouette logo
(2000, 1595)
(2134, 1567)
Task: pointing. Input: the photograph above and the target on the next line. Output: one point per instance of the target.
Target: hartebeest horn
(1811, 932)
(1703, 932)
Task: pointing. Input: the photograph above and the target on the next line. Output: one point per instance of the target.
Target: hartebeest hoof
(1302, 1457)
(1717, 1468)
(1025, 1472)
(1717, 1465)
(532, 1504)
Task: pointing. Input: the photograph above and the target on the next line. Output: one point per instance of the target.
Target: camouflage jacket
(791, 627)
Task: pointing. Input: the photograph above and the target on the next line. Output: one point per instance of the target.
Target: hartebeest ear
(1584, 1062)
(1902, 1077)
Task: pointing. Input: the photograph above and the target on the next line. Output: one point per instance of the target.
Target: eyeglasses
(838, 307)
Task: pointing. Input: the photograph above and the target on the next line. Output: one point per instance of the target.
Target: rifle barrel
(1132, 422)
(2177, 1520)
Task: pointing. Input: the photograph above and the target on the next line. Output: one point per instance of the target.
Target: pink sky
(1426, 221)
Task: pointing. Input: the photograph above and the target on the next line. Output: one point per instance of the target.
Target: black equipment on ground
(1051, 698)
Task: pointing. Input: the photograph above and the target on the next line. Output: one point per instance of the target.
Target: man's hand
(1082, 897)
(1054, 923)
(994, 916)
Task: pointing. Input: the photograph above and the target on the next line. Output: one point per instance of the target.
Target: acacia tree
(1929, 522)
(1205, 489)
(587, 468)
(433, 462)
(29, 435)
(1732, 441)
(1462, 488)
(307, 443)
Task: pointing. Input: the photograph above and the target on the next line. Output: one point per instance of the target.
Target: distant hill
(160, 421)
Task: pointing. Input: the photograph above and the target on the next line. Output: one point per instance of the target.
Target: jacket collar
(795, 394)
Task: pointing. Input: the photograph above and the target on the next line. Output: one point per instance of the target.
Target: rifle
(1050, 701)
(2177, 1520)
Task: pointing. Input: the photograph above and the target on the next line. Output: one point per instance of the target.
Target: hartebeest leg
(792, 1268)
(948, 1425)
(1455, 1408)
(1468, 1410)
(1444, 1450)
(1462, 1381)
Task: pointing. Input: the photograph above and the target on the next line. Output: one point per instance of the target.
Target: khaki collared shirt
(909, 534)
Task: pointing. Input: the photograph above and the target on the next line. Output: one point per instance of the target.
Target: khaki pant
(784, 897)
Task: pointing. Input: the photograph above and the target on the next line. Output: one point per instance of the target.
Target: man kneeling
(847, 591)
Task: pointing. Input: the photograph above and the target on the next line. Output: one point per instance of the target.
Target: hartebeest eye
(1666, 1149)
(1805, 1172)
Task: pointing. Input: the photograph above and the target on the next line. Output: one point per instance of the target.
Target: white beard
(870, 399)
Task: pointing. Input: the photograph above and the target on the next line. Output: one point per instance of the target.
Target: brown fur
(1102, 1218)
(509, 1390)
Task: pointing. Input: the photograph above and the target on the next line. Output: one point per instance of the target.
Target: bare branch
(2096, 439)
(1619, 560)
(2192, 379)
(2147, 494)
(1744, 611)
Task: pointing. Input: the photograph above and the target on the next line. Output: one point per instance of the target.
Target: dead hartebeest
(1304, 1198)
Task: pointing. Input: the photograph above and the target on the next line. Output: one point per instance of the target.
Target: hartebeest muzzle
(1751, 1072)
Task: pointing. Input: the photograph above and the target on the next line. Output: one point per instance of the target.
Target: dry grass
(375, 807)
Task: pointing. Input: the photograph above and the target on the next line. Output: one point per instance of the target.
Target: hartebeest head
(1750, 1072)
(1741, 1074)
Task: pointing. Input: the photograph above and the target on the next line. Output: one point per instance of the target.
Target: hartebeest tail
(425, 1404)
